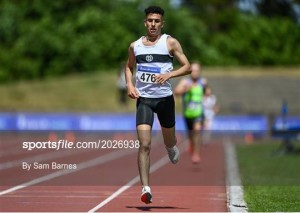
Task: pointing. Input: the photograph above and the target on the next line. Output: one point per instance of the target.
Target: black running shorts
(163, 107)
(189, 122)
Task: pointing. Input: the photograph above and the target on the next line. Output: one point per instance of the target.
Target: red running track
(107, 180)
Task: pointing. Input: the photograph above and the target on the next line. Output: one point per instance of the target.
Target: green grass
(271, 182)
(95, 92)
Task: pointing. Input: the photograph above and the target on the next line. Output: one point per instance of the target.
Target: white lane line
(87, 164)
(115, 194)
(236, 202)
(160, 163)
(163, 161)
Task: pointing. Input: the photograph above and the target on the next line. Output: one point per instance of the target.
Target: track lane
(181, 188)
(193, 188)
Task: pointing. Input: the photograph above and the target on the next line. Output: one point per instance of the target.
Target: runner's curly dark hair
(154, 9)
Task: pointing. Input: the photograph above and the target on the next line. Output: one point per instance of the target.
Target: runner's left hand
(162, 78)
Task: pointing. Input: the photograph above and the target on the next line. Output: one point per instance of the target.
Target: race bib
(147, 74)
(193, 106)
(193, 110)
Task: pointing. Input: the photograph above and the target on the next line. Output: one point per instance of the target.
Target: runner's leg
(144, 136)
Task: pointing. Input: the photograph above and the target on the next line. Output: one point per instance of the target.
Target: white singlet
(150, 61)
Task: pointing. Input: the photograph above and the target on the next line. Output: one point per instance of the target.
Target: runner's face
(196, 71)
(153, 23)
(208, 92)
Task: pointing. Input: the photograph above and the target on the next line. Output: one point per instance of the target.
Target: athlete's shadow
(149, 208)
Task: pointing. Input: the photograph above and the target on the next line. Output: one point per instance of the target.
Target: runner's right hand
(132, 92)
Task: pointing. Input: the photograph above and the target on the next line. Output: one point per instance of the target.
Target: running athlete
(191, 90)
(210, 107)
(153, 56)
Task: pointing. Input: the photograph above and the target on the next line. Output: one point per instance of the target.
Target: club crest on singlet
(149, 58)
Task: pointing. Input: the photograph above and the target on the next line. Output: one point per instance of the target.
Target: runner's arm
(131, 90)
(176, 50)
(180, 88)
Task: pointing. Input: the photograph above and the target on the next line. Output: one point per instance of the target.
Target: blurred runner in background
(191, 89)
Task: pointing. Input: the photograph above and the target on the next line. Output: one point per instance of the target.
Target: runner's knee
(145, 146)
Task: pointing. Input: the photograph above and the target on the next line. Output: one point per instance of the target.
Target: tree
(218, 15)
(277, 8)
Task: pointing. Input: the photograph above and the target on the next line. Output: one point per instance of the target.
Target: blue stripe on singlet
(148, 69)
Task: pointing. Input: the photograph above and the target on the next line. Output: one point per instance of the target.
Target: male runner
(191, 90)
(153, 56)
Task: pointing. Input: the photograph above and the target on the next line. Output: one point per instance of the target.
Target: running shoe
(173, 154)
(146, 196)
